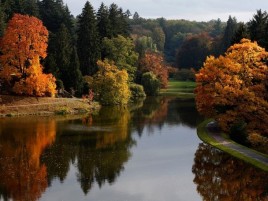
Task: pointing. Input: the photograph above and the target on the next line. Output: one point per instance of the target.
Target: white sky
(198, 10)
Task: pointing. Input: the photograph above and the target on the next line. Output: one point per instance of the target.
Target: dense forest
(147, 49)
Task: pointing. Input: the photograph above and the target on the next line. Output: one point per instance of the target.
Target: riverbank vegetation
(113, 57)
(233, 90)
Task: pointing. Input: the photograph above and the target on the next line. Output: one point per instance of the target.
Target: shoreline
(216, 139)
(43, 106)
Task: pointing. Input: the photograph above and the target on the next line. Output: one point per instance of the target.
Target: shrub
(150, 84)
(136, 91)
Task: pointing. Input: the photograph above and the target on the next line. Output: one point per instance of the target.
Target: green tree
(143, 44)
(229, 33)
(217, 28)
(25, 7)
(193, 51)
(118, 20)
(88, 43)
(150, 84)
(258, 28)
(158, 36)
(104, 25)
(75, 79)
(2, 21)
(54, 13)
(121, 51)
(240, 33)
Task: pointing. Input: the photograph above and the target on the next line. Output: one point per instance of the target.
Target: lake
(145, 152)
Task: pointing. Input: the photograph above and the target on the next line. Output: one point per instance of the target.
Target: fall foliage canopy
(110, 84)
(154, 62)
(23, 45)
(232, 88)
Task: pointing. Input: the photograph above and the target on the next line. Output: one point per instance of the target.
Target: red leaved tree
(23, 45)
(154, 62)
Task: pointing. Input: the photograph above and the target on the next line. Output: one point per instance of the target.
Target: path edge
(207, 138)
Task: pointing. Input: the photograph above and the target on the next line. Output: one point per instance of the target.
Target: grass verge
(22, 106)
(184, 89)
(205, 137)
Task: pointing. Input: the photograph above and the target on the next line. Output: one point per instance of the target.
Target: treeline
(144, 48)
(186, 44)
(75, 44)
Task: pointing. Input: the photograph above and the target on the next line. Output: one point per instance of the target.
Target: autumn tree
(154, 62)
(232, 89)
(218, 176)
(23, 45)
(111, 84)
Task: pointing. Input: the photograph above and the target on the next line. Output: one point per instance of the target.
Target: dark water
(147, 152)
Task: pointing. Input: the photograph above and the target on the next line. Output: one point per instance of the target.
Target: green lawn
(179, 88)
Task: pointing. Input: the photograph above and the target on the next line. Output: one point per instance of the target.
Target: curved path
(211, 130)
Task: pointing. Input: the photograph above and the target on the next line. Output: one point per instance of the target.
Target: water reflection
(221, 177)
(22, 141)
(99, 154)
(36, 152)
(166, 110)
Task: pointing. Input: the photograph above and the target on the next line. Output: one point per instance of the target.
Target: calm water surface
(147, 152)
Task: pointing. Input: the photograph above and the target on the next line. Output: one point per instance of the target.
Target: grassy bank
(20, 106)
(179, 88)
(205, 137)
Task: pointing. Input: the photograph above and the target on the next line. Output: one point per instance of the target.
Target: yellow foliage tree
(23, 45)
(232, 88)
(111, 84)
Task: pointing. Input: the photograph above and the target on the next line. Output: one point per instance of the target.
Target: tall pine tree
(258, 28)
(104, 25)
(88, 42)
(229, 33)
(2, 21)
(119, 21)
(241, 33)
(54, 13)
(75, 79)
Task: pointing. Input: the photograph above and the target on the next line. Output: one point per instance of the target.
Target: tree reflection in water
(22, 141)
(36, 151)
(220, 177)
(166, 110)
(99, 148)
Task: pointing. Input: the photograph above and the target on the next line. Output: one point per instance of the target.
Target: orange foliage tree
(154, 62)
(23, 45)
(232, 89)
(23, 176)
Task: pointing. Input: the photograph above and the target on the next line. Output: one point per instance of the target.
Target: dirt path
(216, 134)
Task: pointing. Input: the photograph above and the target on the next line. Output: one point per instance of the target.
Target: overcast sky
(198, 10)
